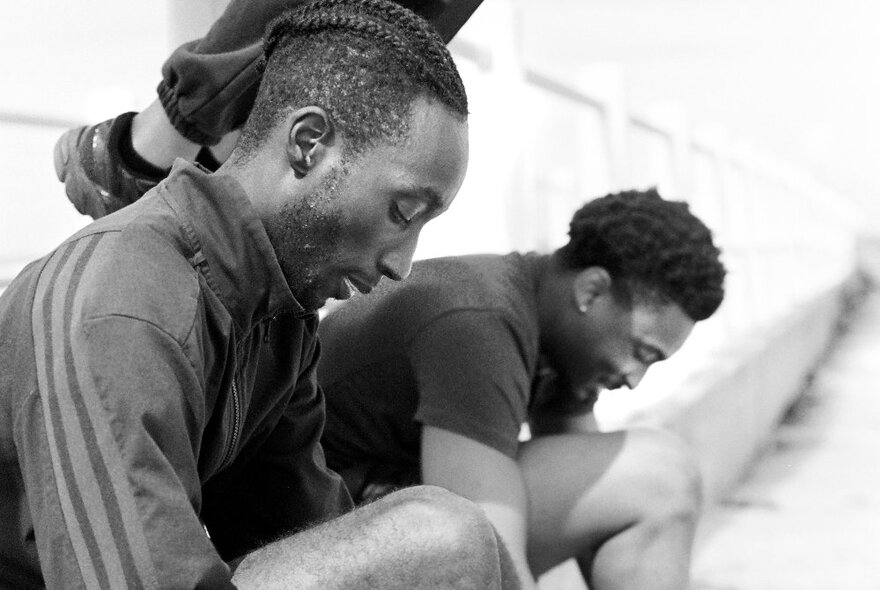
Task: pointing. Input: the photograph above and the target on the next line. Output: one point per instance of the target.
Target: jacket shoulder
(132, 272)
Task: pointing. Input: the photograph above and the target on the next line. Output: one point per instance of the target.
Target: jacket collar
(229, 244)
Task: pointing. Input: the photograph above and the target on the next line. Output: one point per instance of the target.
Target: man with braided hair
(431, 380)
(159, 412)
(205, 95)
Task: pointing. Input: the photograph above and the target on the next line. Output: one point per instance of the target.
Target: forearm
(491, 480)
(511, 530)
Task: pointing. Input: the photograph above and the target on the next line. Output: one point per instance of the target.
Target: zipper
(268, 329)
(236, 427)
(236, 411)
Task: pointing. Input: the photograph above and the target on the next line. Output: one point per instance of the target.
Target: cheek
(363, 225)
(579, 358)
(366, 239)
(618, 352)
(609, 354)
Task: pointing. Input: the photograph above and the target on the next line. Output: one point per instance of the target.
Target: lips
(360, 285)
(346, 289)
(614, 382)
(349, 285)
(608, 382)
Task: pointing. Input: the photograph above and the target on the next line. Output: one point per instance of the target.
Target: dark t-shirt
(455, 346)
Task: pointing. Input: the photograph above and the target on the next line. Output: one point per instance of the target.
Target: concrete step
(808, 516)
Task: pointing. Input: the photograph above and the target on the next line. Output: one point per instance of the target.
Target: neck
(238, 167)
(260, 181)
(553, 282)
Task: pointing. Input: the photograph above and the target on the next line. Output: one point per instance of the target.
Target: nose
(396, 262)
(635, 376)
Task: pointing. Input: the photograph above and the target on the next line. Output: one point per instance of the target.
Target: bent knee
(667, 474)
(449, 522)
(432, 502)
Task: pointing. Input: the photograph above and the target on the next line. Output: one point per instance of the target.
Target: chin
(315, 306)
(310, 300)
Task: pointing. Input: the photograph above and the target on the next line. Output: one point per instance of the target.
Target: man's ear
(588, 285)
(311, 133)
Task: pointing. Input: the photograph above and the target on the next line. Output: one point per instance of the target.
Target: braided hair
(363, 61)
(649, 244)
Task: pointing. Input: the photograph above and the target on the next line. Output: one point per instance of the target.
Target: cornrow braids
(650, 244)
(420, 44)
(363, 61)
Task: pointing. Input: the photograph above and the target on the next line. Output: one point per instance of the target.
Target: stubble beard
(305, 235)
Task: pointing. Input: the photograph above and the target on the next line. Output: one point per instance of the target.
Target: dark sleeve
(472, 377)
(209, 85)
(285, 485)
(106, 447)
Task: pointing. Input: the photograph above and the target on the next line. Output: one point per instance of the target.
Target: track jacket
(157, 381)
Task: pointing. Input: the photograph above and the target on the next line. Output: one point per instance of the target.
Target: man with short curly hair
(430, 382)
(160, 418)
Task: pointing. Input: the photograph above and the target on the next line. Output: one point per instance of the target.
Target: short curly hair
(649, 245)
(363, 61)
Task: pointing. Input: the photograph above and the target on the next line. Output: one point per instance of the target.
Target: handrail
(37, 120)
(561, 89)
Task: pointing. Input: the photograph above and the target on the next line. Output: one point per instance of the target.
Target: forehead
(430, 161)
(663, 326)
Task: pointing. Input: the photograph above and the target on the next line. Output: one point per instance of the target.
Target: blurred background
(761, 114)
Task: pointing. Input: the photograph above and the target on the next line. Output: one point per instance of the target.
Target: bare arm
(487, 477)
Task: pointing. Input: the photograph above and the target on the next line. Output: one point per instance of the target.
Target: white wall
(63, 63)
(798, 78)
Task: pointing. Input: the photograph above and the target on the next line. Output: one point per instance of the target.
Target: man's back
(386, 359)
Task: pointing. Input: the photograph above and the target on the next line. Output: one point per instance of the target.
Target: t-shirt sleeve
(472, 377)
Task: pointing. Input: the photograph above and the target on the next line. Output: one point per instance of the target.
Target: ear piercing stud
(582, 308)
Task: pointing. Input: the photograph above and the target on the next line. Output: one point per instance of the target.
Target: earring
(582, 308)
(308, 160)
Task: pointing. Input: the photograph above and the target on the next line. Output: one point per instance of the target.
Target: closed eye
(412, 204)
(398, 215)
(647, 355)
(405, 210)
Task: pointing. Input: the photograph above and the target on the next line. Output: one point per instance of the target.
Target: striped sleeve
(106, 450)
